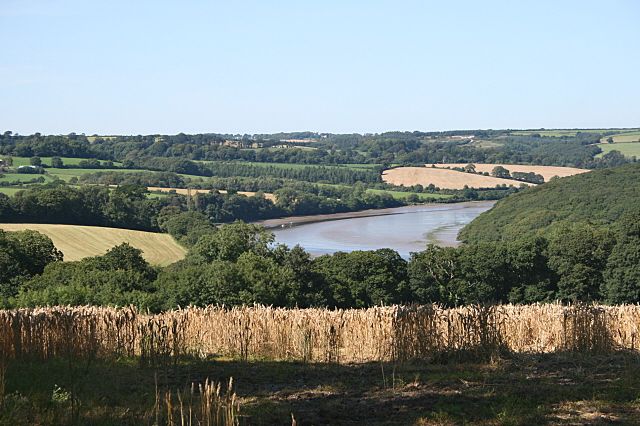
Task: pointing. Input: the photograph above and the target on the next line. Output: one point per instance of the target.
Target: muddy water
(404, 229)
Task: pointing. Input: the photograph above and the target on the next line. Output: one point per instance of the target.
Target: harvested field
(546, 171)
(185, 191)
(77, 242)
(442, 178)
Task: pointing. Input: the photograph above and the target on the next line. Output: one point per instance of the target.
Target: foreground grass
(545, 389)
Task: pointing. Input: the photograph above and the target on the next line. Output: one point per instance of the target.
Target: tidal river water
(404, 229)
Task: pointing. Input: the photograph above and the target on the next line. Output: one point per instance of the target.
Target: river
(404, 229)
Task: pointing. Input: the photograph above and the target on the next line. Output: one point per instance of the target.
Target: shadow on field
(532, 389)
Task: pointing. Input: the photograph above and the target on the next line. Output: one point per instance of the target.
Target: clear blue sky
(139, 67)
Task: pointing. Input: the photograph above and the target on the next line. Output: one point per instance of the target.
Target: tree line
(240, 264)
(404, 148)
(129, 206)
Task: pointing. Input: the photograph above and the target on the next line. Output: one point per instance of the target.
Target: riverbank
(290, 221)
(404, 229)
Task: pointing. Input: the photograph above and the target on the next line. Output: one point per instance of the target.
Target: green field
(25, 161)
(564, 132)
(299, 166)
(66, 174)
(361, 166)
(400, 195)
(11, 190)
(22, 177)
(624, 137)
(628, 149)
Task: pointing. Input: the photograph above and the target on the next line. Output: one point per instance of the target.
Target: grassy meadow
(11, 190)
(67, 174)
(22, 177)
(628, 149)
(400, 195)
(624, 137)
(294, 166)
(563, 132)
(25, 161)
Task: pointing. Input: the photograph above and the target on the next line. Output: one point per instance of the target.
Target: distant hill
(599, 197)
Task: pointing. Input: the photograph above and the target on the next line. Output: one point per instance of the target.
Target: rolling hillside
(600, 197)
(77, 242)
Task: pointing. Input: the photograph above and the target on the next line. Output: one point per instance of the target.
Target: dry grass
(442, 178)
(184, 191)
(77, 242)
(546, 171)
(202, 404)
(317, 335)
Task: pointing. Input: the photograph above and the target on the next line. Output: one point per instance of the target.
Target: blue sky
(139, 67)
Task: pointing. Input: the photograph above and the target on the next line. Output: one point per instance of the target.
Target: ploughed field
(446, 178)
(77, 242)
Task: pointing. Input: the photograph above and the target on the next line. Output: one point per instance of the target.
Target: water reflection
(405, 230)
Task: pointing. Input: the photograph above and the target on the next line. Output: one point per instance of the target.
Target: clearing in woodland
(77, 242)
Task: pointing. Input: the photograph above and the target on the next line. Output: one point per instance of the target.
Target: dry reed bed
(316, 335)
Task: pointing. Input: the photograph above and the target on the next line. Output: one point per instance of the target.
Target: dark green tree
(56, 162)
